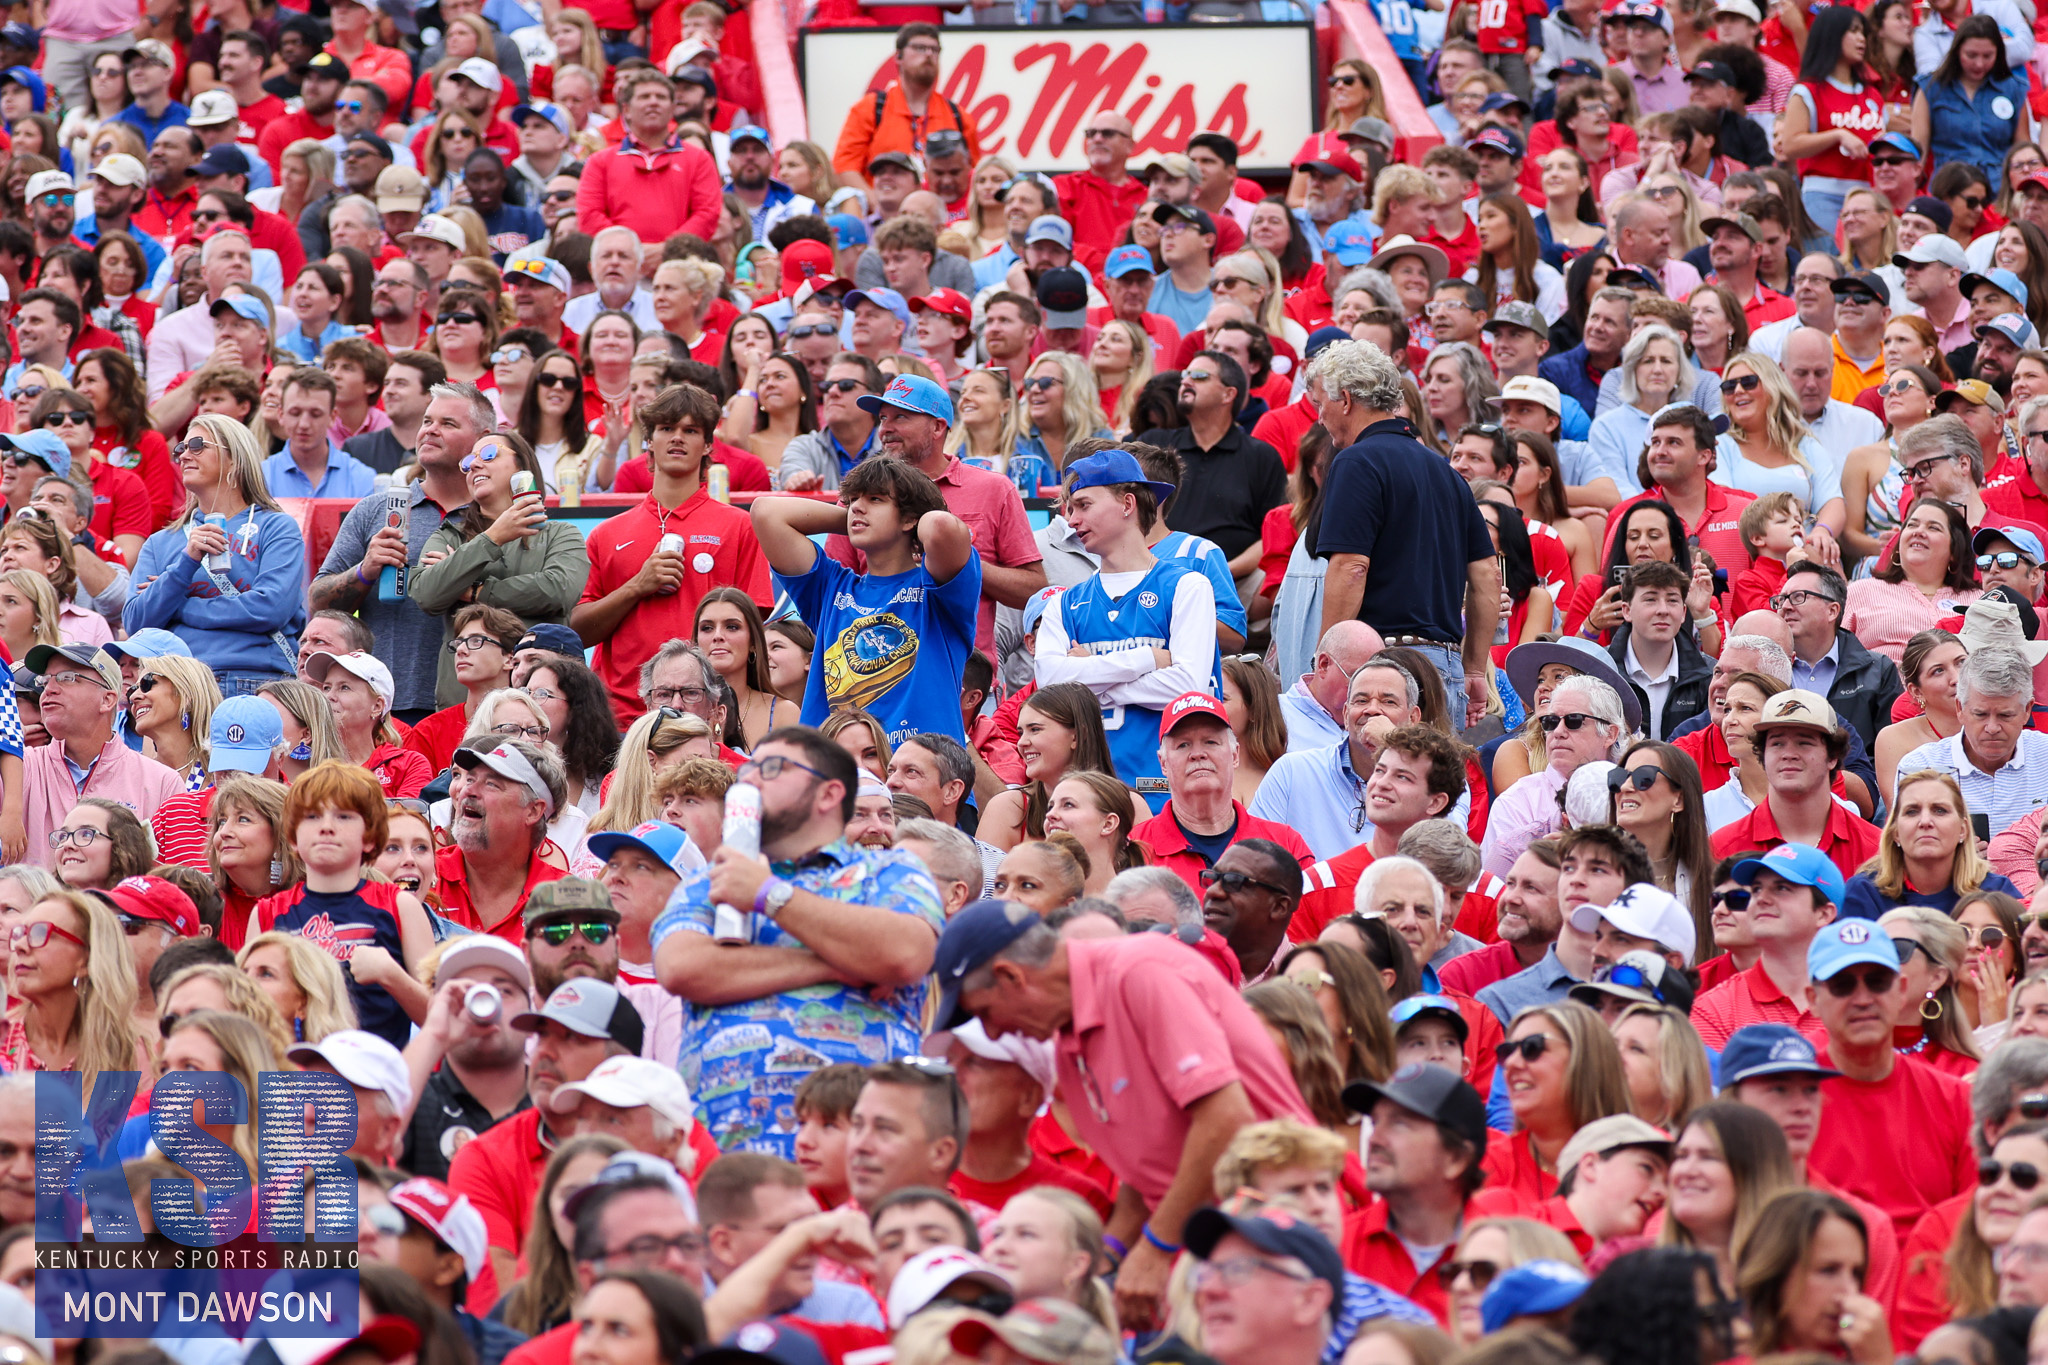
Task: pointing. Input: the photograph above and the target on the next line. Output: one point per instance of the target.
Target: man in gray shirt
(352, 578)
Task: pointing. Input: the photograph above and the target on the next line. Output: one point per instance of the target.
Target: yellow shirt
(1852, 379)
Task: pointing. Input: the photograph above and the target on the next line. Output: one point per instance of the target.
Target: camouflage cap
(569, 896)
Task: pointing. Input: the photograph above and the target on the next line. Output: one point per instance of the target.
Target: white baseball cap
(682, 53)
(119, 168)
(1032, 1054)
(367, 667)
(1644, 911)
(1529, 389)
(482, 72)
(42, 182)
(449, 1216)
(1746, 8)
(211, 107)
(931, 1272)
(483, 950)
(629, 1083)
(364, 1060)
(435, 228)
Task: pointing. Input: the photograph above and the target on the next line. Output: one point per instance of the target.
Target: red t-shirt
(120, 503)
(436, 738)
(1902, 1143)
(719, 549)
(1041, 1171)
(1923, 1303)
(149, 461)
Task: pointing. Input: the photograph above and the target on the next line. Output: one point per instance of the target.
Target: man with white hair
(1399, 507)
(2001, 765)
(615, 270)
(1314, 706)
(1153, 895)
(644, 1104)
(354, 221)
(377, 1073)
(1802, 744)
(1406, 894)
(950, 855)
(1583, 723)
(2024, 495)
(184, 341)
(1198, 755)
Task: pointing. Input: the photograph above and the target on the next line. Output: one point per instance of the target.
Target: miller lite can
(398, 503)
(735, 924)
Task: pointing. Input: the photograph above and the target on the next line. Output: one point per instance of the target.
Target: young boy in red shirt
(1770, 526)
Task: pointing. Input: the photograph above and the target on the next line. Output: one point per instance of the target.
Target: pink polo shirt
(119, 774)
(1156, 1028)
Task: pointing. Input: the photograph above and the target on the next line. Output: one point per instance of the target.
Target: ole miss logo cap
(911, 393)
(154, 898)
(1191, 704)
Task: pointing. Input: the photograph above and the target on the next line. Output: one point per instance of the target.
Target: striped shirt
(2018, 788)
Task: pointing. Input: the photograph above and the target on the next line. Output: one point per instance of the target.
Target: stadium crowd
(1443, 760)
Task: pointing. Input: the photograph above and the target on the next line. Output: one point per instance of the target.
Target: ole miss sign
(1030, 90)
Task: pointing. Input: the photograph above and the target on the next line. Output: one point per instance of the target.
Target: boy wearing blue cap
(1896, 1131)
(893, 640)
(1794, 892)
(1139, 632)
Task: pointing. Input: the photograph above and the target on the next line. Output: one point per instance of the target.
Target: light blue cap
(45, 446)
(245, 733)
(248, 305)
(151, 642)
(847, 230)
(912, 393)
(883, 298)
(1847, 943)
(1127, 260)
(748, 131)
(656, 838)
(1800, 864)
(1349, 241)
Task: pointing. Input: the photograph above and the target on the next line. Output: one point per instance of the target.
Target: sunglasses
(349, 106)
(1481, 1273)
(1571, 720)
(1876, 980)
(1907, 947)
(507, 355)
(1990, 936)
(64, 197)
(1642, 779)
(1735, 899)
(839, 385)
(818, 329)
(1347, 78)
(484, 453)
(207, 215)
(191, 447)
(1892, 161)
(147, 683)
(1747, 383)
(1973, 202)
(65, 419)
(1530, 1048)
(2033, 1106)
(39, 934)
(560, 196)
(1234, 882)
(1196, 376)
(2004, 559)
(461, 319)
(596, 931)
(1041, 383)
(2025, 1174)
(1903, 384)
(557, 381)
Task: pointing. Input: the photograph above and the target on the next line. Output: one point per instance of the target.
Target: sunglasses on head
(1570, 720)
(1745, 382)
(2033, 1106)
(2025, 1175)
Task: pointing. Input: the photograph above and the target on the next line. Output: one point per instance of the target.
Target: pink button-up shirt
(1156, 1028)
(119, 774)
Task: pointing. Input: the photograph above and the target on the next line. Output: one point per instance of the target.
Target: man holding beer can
(469, 1063)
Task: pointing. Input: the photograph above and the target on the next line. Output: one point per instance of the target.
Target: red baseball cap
(1339, 162)
(154, 898)
(951, 302)
(2037, 181)
(803, 261)
(1191, 704)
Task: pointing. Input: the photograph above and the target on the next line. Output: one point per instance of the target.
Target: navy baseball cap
(1275, 1231)
(1439, 1095)
(1933, 210)
(1800, 864)
(1109, 467)
(910, 392)
(554, 638)
(1496, 140)
(1321, 337)
(1530, 1290)
(764, 1343)
(1127, 260)
(1577, 66)
(972, 939)
(1769, 1050)
(227, 159)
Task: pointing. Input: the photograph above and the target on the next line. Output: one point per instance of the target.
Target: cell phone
(1982, 824)
(1616, 575)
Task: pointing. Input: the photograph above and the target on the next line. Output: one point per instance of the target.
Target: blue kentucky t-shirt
(893, 645)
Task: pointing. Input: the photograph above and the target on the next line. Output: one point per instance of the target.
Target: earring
(185, 721)
(1930, 1000)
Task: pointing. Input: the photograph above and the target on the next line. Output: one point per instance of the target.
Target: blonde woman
(227, 577)
(862, 736)
(1048, 1240)
(1121, 361)
(1768, 447)
(1930, 1023)
(984, 430)
(983, 224)
(577, 41)
(1927, 852)
(1665, 1063)
(74, 989)
(28, 612)
(1253, 278)
(306, 174)
(304, 982)
(807, 168)
(1060, 406)
(172, 709)
(657, 740)
(1674, 194)
(217, 986)
(215, 1040)
(309, 725)
(1485, 1249)
(456, 134)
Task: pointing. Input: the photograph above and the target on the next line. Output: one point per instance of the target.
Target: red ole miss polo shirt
(719, 549)
(1750, 998)
(1162, 834)
(1155, 1029)
(1850, 841)
(1372, 1249)
(1903, 1143)
(1474, 972)
(454, 888)
(2018, 497)
(1718, 530)
(120, 503)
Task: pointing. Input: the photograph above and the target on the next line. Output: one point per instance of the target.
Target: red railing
(1358, 35)
(774, 37)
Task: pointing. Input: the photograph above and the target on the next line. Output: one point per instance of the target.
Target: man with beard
(838, 933)
(397, 307)
(318, 92)
(891, 119)
(502, 799)
(120, 184)
(946, 172)
(166, 211)
(17, 1150)
(583, 1024)
(1529, 924)
(468, 1072)
(750, 156)
(1999, 343)
(52, 198)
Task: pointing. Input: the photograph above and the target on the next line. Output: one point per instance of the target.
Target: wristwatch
(774, 894)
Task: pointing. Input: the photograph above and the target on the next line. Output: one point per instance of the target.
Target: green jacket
(537, 579)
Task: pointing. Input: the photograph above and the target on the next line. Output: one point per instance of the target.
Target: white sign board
(1031, 90)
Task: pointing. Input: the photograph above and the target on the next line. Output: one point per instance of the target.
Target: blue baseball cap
(43, 446)
(971, 939)
(1800, 864)
(1050, 228)
(884, 298)
(1434, 1006)
(1127, 260)
(1998, 279)
(1529, 1290)
(1321, 337)
(1769, 1050)
(2014, 327)
(1898, 142)
(245, 733)
(748, 132)
(548, 113)
(2017, 534)
(1847, 942)
(910, 392)
(659, 840)
(1350, 241)
(847, 230)
(1108, 467)
(151, 642)
(1034, 606)
(248, 305)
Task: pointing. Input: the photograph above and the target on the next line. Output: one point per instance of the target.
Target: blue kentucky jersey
(1142, 616)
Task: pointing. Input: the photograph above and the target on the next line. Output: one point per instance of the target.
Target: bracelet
(747, 393)
(1116, 1247)
(1702, 622)
(359, 576)
(1153, 1237)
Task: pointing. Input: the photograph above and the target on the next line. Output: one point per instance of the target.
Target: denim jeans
(1450, 666)
(246, 684)
(1824, 206)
